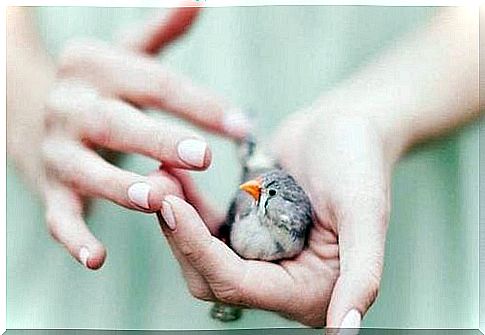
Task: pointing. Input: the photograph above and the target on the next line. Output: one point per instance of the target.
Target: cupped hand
(96, 103)
(344, 161)
(341, 161)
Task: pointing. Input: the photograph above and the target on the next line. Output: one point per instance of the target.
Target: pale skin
(423, 86)
(342, 150)
(92, 98)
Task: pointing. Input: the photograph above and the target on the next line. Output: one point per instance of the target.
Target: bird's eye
(272, 192)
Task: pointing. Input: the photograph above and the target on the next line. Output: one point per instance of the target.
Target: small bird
(269, 217)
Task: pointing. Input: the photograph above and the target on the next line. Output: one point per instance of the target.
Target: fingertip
(139, 194)
(352, 319)
(236, 123)
(177, 22)
(95, 263)
(349, 325)
(182, 209)
(207, 158)
(92, 257)
(352, 296)
(194, 153)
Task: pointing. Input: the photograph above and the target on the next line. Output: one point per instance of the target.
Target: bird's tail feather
(253, 158)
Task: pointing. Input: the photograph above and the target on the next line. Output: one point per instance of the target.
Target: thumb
(211, 214)
(160, 30)
(361, 250)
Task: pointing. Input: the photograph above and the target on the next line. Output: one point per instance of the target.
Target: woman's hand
(95, 103)
(340, 161)
(342, 150)
(344, 162)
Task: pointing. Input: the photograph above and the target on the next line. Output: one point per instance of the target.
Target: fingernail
(138, 194)
(167, 214)
(84, 256)
(351, 320)
(192, 152)
(236, 122)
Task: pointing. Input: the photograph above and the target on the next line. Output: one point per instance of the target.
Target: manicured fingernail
(138, 194)
(84, 256)
(236, 122)
(167, 214)
(351, 320)
(192, 152)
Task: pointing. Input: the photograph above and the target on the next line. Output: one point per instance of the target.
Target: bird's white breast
(250, 239)
(253, 240)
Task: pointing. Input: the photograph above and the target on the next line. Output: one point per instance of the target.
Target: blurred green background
(273, 61)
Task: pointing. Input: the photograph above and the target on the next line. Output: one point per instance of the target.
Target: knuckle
(232, 290)
(369, 283)
(69, 101)
(374, 286)
(199, 291)
(53, 103)
(77, 54)
(227, 293)
(165, 83)
(366, 280)
(190, 251)
(51, 155)
(194, 249)
(100, 124)
(72, 55)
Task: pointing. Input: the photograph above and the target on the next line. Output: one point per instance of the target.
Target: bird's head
(279, 198)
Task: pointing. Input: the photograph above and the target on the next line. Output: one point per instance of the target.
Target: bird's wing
(225, 229)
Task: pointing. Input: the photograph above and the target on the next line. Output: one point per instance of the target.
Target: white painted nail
(138, 193)
(351, 320)
(167, 214)
(192, 152)
(236, 122)
(84, 256)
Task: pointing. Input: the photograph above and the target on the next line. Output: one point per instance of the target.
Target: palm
(347, 184)
(319, 260)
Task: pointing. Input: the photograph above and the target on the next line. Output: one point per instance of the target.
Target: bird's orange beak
(253, 187)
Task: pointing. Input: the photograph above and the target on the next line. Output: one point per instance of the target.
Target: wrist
(383, 119)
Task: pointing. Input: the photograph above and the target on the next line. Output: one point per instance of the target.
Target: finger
(121, 127)
(66, 225)
(146, 83)
(209, 212)
(161, 29)
(197, 285)
(232, 280)
(90, 175)
(362, 231)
